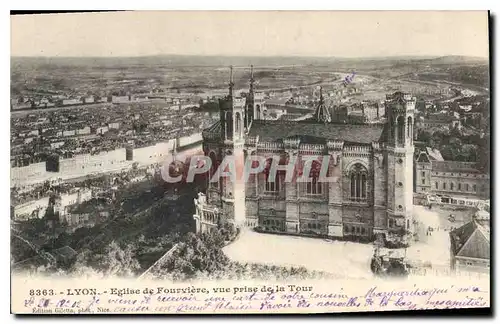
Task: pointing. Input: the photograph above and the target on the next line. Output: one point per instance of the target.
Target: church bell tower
(250, 102)
(254, 103)
(232, 189)
(400, 110)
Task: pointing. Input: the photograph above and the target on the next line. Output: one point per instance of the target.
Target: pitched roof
(215, 127)
(434, 154)
(423, 157)
(471, 240)
(477, 246)
(455, 166)
(274, 130)
(459, 236)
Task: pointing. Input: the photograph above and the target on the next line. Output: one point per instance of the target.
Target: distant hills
(193, 60)
(456, 59)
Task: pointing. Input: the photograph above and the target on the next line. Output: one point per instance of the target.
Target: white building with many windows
(450, 178)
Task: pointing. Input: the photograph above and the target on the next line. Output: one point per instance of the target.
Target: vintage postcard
(242, 162)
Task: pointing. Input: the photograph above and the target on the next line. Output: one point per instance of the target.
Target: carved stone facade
(369, 166)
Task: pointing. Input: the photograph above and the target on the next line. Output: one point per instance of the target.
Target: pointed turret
(250, 110)
(252, 80)
(322, 114)
(231, 84)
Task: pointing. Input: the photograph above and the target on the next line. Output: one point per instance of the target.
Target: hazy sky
(265, 33)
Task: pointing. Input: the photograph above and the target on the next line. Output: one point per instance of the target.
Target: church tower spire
(250, 110)
(322, 114)
(231, 84)
(252, 80)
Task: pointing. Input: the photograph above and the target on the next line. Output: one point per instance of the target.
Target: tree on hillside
(456, 132)
(64, 239)
(114, 261)
(195, 256)
(425, 137)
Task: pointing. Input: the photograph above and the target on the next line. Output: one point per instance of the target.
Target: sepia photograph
(206, 162)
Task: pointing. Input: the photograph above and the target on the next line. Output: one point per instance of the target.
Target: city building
(85, 216)
(68, 102)
(453, 178)
(439, 122)
(372, 163)
(114, 125)
(83, 131)
(470, 246)
(121, 99)
(373, 110)
(358, 113)
(88, 99)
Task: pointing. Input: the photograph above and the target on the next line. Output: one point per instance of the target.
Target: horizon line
(426, 56)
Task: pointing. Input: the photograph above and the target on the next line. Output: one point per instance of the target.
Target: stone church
(373, 165)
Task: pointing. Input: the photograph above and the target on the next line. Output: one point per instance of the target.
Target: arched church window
(213, 160)
(363, 185)
(213, 167)
(238, 124)
(314, 186)
(249, 115)
(410, 129)
(400, 130)
(272, 184)
(229, 124)
(359, 178)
